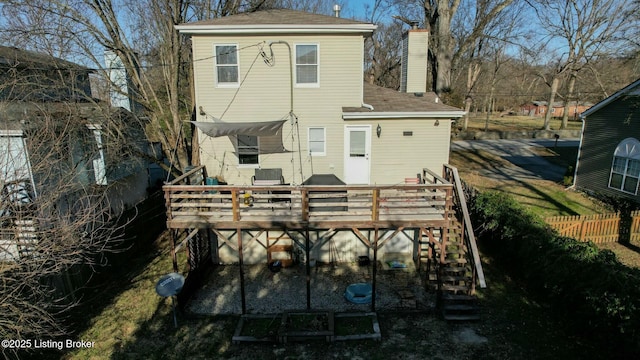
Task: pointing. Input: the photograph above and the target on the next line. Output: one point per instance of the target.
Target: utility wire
(140, 66)
(239, 86)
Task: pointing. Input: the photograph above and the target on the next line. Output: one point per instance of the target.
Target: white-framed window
(625, 167)
(98, 158)
(317, 141)
(248, 150)
(307, 65)
(16, 180)
(227, 69)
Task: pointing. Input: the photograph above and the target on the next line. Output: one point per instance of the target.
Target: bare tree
(59, 215)
(444, 49)
(499, 33)
(143, 35)
(580, 31)
(383, 57)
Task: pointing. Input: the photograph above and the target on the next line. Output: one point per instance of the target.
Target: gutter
(275, 29)
(453, 114)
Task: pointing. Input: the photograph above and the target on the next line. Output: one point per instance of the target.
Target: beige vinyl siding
(265, 95)
(395, 157)
(414, 60)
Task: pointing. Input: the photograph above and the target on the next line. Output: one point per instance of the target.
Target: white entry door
(357, 150)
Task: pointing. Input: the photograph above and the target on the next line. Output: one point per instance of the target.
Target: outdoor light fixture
(378, 130)
(437, 123)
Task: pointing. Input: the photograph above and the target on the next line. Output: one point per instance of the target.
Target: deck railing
(196, 205)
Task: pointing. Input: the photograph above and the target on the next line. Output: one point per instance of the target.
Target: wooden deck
(307, 207)
(247, 212)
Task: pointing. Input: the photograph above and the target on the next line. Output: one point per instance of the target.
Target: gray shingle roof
(388, 100)
(14, 57)
(278, 17)
(627, 89)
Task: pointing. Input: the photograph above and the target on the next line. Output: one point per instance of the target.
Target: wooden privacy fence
(599, 228)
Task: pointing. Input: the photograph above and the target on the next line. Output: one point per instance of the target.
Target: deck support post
(241, 266)
(443, 244)
(430, 253)
(417, 238)
(174, 257)
(375, 270)
(308, 267)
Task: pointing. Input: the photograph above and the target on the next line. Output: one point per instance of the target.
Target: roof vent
(418, 94)
(336, 10)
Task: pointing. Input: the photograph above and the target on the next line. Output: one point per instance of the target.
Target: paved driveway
(521, 153)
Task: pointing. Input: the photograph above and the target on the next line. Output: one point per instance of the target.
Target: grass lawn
(543, 197)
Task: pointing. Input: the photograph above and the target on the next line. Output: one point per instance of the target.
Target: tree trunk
(569, 99)
(492, 102)
(437, 19)
(467, 108)
(473, 71)
(552, 98)
(444, 53)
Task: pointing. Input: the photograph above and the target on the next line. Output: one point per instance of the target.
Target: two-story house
(280, 94)
(284, 89)
(59, 145)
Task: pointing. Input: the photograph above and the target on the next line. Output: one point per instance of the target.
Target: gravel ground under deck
(267, 292)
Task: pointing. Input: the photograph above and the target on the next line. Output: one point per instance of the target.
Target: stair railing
(451, 174)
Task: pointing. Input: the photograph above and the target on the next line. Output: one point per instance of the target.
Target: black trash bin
(326, 179)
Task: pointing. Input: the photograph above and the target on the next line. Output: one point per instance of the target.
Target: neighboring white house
(284, 89)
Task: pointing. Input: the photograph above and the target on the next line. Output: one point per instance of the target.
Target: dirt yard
(267, 292)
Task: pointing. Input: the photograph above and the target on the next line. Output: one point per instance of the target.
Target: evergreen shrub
(594, 291)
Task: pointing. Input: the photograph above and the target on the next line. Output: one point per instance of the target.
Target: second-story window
(307, 65)
(96, 155)
(227, 65)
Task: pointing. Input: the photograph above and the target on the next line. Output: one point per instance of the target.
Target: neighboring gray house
(56, 138)
(609, 156)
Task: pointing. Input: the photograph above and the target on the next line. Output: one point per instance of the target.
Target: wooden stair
(452, 276)
(280, 248)
(457, 307)
(26, 238)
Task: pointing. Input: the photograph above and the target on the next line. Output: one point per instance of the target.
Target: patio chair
(267, 177)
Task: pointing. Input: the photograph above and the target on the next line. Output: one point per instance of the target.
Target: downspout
(575, 170)
(364, 105)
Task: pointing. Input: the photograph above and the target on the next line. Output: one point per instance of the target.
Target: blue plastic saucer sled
(359, 293)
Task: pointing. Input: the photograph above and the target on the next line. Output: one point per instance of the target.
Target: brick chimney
(413, 77)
